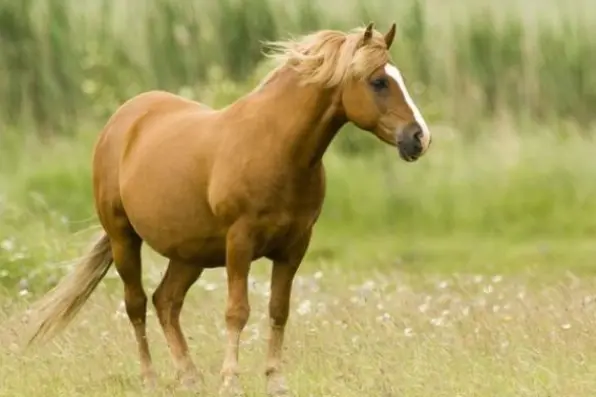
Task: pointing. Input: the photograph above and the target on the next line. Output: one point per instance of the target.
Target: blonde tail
(59, 306)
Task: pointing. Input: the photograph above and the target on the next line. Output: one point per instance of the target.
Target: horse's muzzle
(409, 142)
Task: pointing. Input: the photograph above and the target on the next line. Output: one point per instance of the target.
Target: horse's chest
(280, 205)
(277, 229)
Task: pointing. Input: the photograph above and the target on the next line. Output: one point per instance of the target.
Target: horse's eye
(380, 83)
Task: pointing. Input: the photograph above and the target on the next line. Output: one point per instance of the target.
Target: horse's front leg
(282, 278)
(239, 253)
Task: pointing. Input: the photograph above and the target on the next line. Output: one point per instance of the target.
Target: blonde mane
(329, 57)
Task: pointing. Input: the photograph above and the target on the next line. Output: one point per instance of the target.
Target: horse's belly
(177, 226)
(207, 252)
(183, 240)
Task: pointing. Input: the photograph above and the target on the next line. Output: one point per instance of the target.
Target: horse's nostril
(414, 131)
(418, 134)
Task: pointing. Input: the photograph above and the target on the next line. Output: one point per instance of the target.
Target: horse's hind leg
(168, 299)
(126, 248)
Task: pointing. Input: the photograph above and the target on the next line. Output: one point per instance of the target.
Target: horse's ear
(368, 33)
(390, 35)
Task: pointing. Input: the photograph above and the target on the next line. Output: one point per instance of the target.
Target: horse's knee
(237, 315)
(278, 313)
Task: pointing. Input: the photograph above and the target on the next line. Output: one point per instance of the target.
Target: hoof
(149, 383)
(189, 381)
(277, 387)
(231, 387)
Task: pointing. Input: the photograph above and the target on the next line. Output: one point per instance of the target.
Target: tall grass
(64, 61)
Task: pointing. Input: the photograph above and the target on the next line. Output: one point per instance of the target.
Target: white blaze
(396, 75)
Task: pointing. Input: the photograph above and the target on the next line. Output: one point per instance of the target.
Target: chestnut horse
(211, 188)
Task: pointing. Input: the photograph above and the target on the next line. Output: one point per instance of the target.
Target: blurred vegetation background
(508, 87)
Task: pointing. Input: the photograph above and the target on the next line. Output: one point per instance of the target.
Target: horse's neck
(304, 119)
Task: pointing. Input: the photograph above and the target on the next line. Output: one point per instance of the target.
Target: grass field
(350, 334)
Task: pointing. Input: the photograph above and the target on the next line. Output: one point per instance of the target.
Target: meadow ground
(356, 332)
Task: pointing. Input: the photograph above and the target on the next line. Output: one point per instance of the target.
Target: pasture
(386, 333)
(470, 272)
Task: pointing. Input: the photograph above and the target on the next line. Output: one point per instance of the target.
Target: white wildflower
(304, 308)
(7, 245)
(442, 285)
(384, 317)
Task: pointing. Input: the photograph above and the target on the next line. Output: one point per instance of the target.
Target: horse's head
(368, 89)
(374, 97)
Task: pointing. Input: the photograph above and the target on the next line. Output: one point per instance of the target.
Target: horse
(209, 188)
